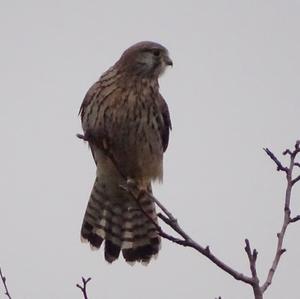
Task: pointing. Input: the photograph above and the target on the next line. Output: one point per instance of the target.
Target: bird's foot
(131, 183)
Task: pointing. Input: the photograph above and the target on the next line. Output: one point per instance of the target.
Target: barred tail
(114, 217)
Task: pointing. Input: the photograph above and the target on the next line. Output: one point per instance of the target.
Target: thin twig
(280, 167)
(83, 287)
(294, 181)
(287, 213)
(287, 152)
(187, 241)
(3, 278)
(295, 219)
(252, 257)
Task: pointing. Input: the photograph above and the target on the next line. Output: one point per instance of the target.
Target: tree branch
(287, 211)
(252, 255)
(295, 219)
(280, 167)
(187, 241)
(83, 287)
(3, 278)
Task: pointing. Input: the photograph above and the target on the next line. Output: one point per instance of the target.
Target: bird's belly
(139, 151)
(132, 127)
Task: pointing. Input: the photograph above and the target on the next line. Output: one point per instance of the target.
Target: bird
(126, 122)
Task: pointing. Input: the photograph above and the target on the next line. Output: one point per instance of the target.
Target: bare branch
(294, 181)
(83, 287)
(3, 278)
(287, 214)
(287, 152)
(252, 256)
(295, 219)
(280, 167)
(187, 241)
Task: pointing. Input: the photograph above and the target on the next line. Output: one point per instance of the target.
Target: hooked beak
(168, 61)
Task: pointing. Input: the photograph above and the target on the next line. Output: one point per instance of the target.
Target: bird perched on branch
(126, 122)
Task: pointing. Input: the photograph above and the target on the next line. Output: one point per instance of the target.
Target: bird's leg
(140, 187)
(131, 182)
(141, 194)
(139, 184)
(143, 184)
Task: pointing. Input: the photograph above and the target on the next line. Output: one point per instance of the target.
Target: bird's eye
(156, 52)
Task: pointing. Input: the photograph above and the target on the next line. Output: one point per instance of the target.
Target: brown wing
(88, 98)
(167, 126)
(94, 137)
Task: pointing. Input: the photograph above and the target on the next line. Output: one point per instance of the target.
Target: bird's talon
(131, 182)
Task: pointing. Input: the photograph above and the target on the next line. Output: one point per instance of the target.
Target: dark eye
(156, 52)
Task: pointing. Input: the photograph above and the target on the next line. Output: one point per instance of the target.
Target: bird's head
(146, 59)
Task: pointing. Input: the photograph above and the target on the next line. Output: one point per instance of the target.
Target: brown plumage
(123, 114)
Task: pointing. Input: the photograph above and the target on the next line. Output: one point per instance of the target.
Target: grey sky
(233, 90)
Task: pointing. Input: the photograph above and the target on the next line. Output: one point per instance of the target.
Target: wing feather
(167, 125)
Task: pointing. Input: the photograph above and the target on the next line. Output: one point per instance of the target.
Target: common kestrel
(126, 122)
